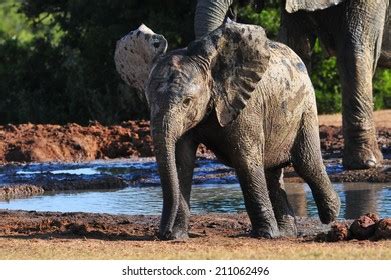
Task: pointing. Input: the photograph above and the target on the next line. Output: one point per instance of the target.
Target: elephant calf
(245, 97)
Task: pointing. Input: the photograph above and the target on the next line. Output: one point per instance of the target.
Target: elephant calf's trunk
(165, 157)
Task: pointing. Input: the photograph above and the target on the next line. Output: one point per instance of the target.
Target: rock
(364, 227)
(375, 217)
(338, 232)
(383, 229)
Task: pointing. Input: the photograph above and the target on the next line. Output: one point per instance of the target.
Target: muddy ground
(44, 235)
(129, 227)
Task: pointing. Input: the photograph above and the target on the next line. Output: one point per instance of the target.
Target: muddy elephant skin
(251, 102)
(357, 32)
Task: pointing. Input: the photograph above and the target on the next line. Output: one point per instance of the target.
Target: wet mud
(338, 174)
(19, 191)
(130, 227)
(49, 225)
(46, 183)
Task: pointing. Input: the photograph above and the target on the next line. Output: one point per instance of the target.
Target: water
(215, 189)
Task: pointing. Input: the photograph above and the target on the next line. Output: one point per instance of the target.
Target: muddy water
(215, 189)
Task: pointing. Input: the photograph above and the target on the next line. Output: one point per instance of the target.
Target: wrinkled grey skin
(251, 102)
(354, 31)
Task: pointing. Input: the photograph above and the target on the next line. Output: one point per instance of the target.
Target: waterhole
(215, 189)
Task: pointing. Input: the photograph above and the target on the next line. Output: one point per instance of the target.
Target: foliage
(66, 72)
(269, 19)
(326, 81)
(382, 89)
(56, 57)
(12, 24)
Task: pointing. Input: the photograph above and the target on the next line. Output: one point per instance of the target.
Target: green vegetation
(269, 18)
(56, 57)
(12, 24)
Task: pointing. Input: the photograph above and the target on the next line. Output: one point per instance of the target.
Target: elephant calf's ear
(241, 57)
(135, 54)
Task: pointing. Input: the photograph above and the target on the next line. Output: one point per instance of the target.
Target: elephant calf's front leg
(258, 205)
(185, 159)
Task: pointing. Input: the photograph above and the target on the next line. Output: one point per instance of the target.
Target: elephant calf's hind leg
(282, 210)
(258, 205)
(308, 163)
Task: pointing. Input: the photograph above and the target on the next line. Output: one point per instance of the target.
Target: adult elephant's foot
(362, 157)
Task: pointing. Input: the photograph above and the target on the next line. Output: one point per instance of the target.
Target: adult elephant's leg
(282, 210)
(296, 31)
(258, 205)
(185, 158)
(358, 51)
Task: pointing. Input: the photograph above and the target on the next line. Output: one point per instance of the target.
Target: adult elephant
(353, 30)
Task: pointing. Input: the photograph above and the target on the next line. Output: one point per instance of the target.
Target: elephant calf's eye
(187, 101)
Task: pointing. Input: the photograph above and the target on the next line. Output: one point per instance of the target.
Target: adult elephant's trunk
(209, 15)
(164, 138)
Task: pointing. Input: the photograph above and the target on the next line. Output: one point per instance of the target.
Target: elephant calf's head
(178, 91)
(221, 70)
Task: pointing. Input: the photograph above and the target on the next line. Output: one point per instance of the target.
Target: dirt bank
(72, 142)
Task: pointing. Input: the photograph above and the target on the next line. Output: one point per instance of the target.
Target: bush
(65, 72)
(382, 89)
(269, 19)
(56, 57)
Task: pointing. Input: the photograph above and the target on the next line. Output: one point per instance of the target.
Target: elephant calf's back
(289, 94)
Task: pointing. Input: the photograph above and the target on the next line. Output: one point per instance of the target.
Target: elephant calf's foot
(287, 226)
(361, 157)
(176, 234)
(329, 210)
(264, 233)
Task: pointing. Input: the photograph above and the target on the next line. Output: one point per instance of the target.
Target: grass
(214, 248)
